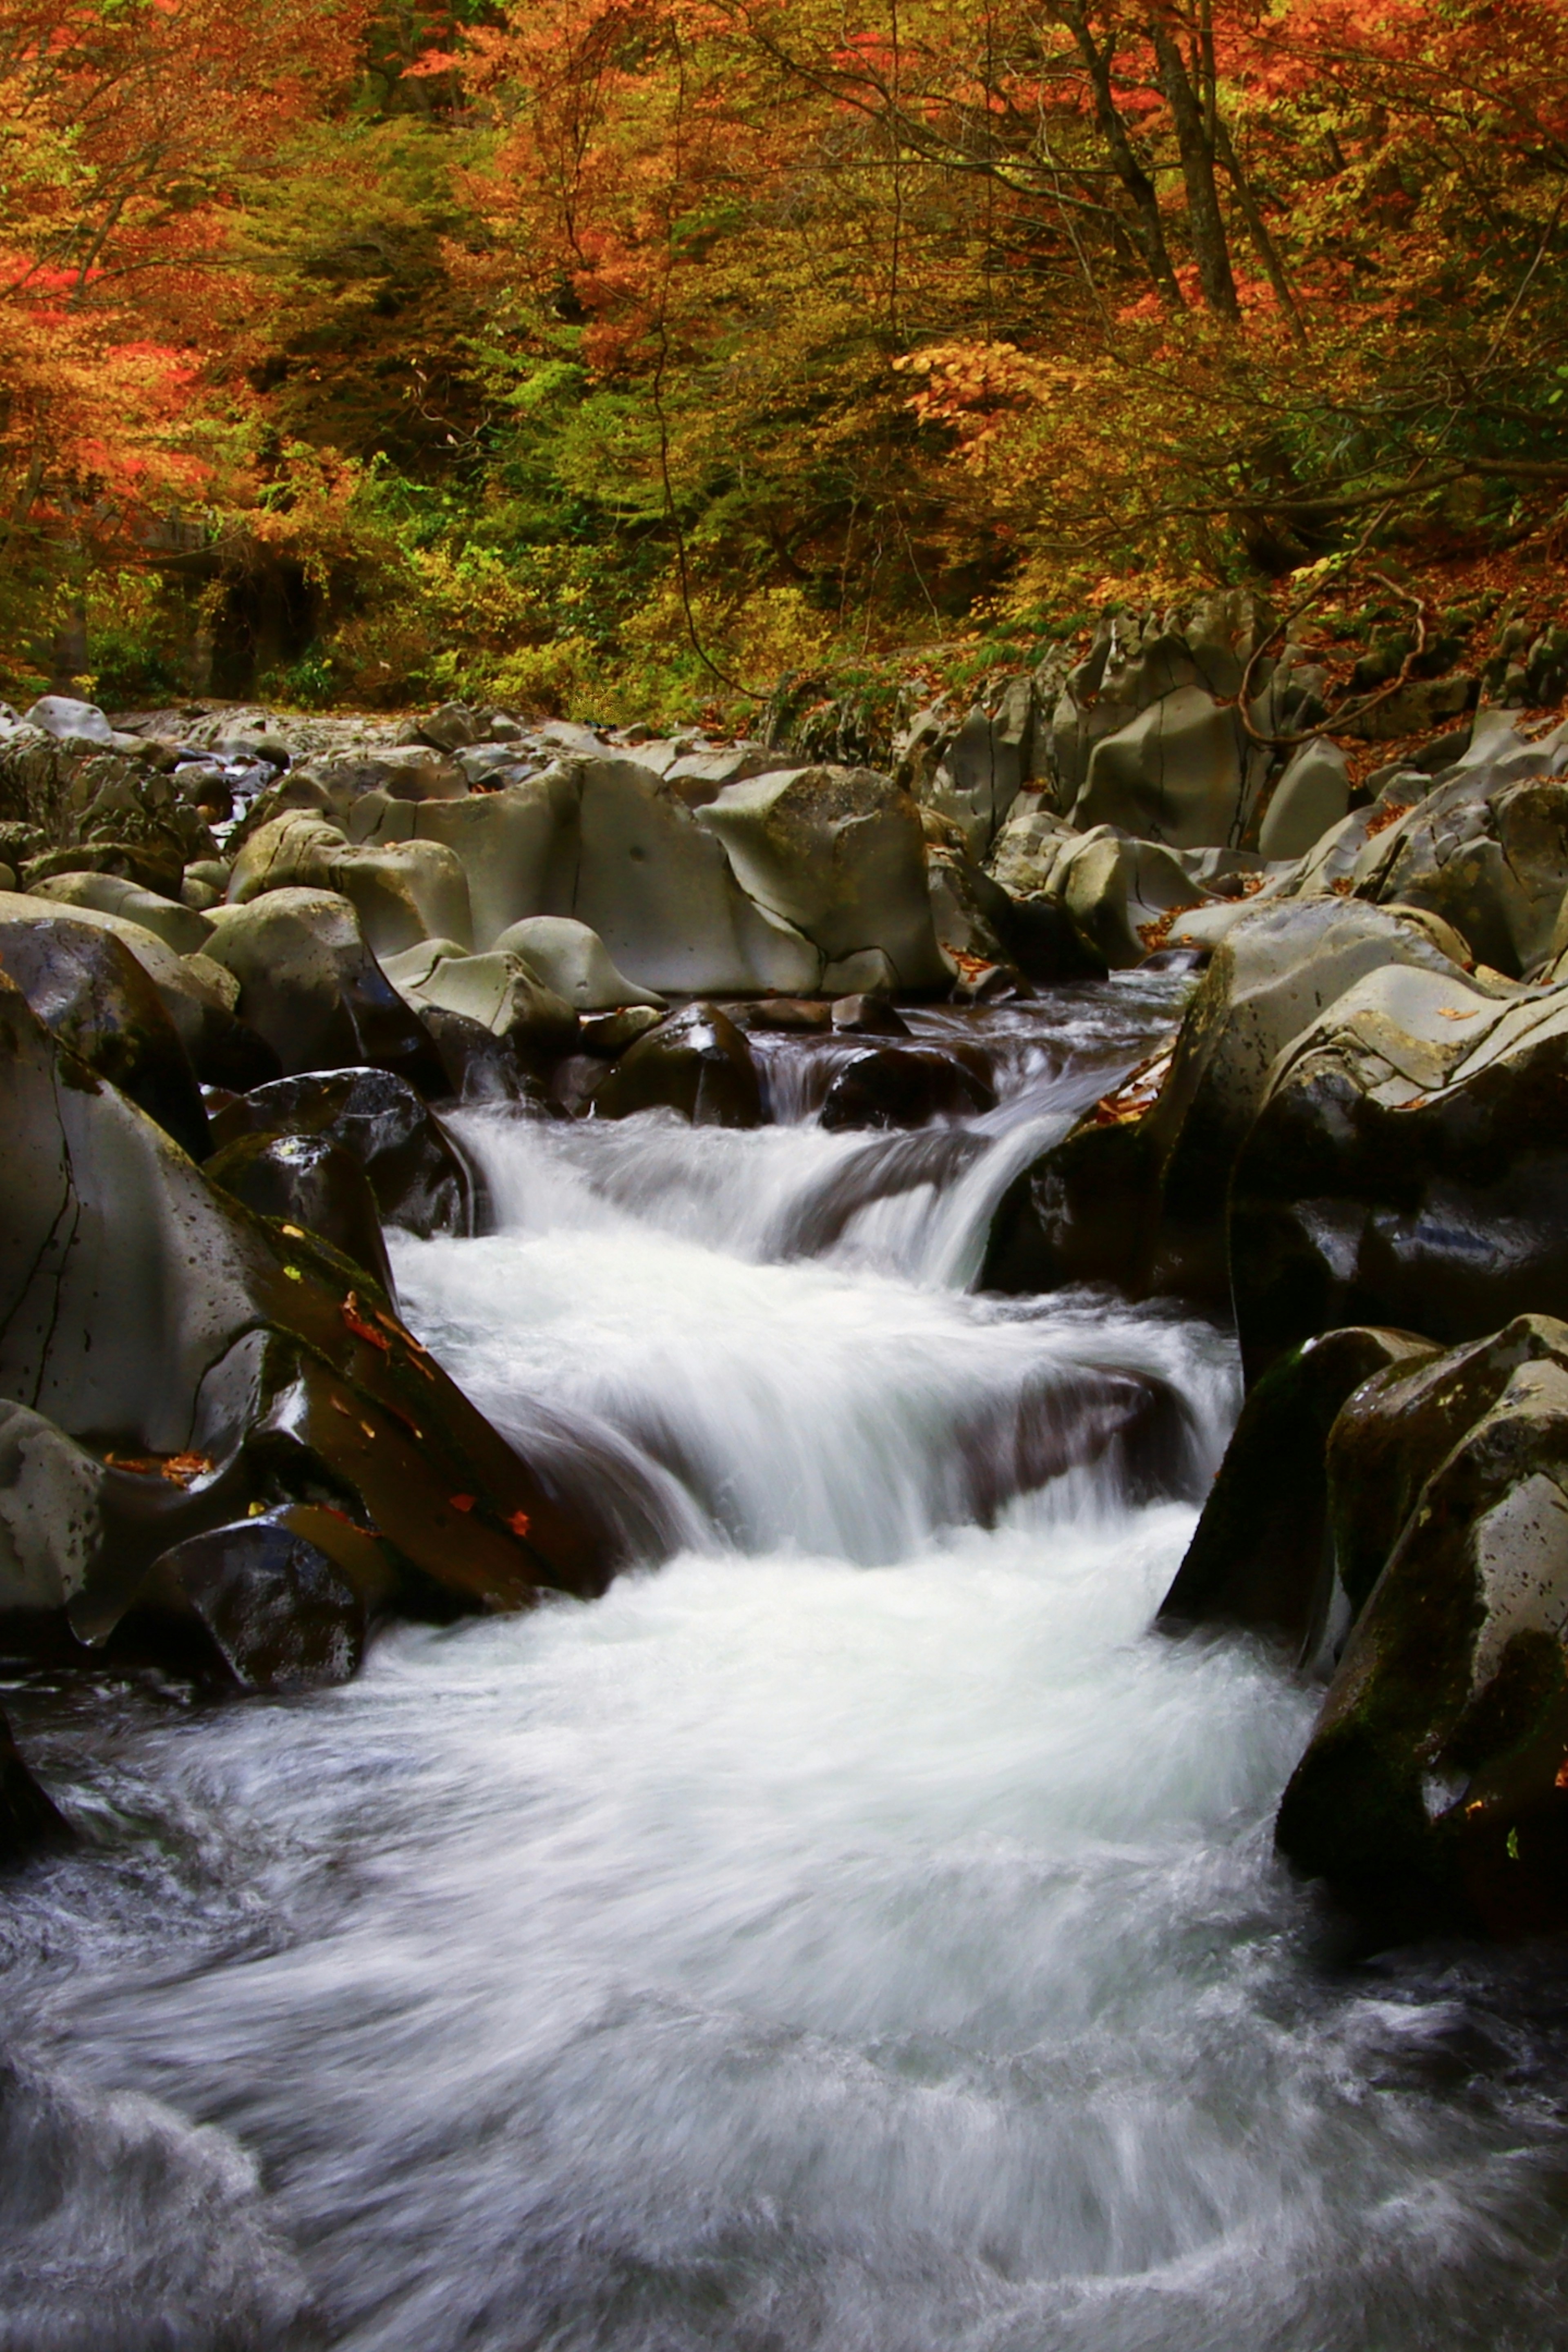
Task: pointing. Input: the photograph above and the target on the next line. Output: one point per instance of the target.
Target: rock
(1408, 1166)
(1023, 857)
(92, 993)
(1311, 794)
(837, 854)
(905, 1085)
(283, 1602)
(310, 987)
(518, 848)
(1259, 1558)
(1117, 892)
(311, 1181)
(608, 1034)
(51, 1520)
(574, 962)
(1172, 775)
(223, 1365)
(697, 1062)
(1489, 856)
(869, 971)
(107, 894)
(405, 771)
(1135, 1194)
(1432, 1793)
(30, 1823)
(69, 721)
(502, 993)
(983, 767)
(418, 1178)
(867, 1017)
(452, 728)
(803, 1015)
(482, 1067)
(404, 892)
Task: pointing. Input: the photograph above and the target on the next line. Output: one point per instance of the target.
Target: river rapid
(856, 1933)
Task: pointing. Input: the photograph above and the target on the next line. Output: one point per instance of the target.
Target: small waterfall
(856, 1933)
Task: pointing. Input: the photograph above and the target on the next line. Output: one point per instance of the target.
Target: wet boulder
(89, 989)
(30, 1821)
(1408, 1166)
(51, 1513)
(310, 987)
(906, 1086)
(283, 1602)
(697, 1062)
(575, 964)
(418, 1178)
(1433, 1790)
(839, 854)
(311, 1182)
(1261, 1559)
(221, 1368)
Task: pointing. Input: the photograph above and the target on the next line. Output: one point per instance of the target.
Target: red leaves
(181, 1470)
(356, 1323)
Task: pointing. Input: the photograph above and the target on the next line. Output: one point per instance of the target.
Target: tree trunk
(1149, 229)
(1210, 248)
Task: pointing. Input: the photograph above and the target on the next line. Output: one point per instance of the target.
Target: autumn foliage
(616, 354)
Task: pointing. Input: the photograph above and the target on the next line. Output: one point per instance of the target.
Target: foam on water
(859, 1934)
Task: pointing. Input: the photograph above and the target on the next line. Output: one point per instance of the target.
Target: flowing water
(856, 1933)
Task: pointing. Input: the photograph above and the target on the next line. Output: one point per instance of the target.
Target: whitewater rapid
(856, 1933)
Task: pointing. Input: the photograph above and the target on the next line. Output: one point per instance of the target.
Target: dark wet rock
(1135, 1194)
(697, 1062)
(308, 1181)
(92, 991)
(310, 987)
(867, 1017)
(1434, 1791)
(608, 1034)
(1260, 1558)
(906, 1086)
(576, 1082)
(803, 1015)
(30, 1823)
(418, 1176)
(222, 1369)
(284, 1602)
(1409, 1166)
(480, 1066)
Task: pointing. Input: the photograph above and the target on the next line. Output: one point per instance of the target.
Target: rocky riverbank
(250, 965)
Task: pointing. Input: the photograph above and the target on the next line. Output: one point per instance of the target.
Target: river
(856, 1933)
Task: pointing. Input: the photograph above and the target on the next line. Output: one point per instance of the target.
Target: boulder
(418, 1178)
(177, 925)
(983, 767)
(608, 1034)
(1117, 893)
(697, 1062)
(1174, 773)
(518, 848)
(866, 1017)
(404, 892)
(311, 1182)
(221, 1368)
(905, 1086)
(1408, 1166)
(1311, 796)
(837, 854)
(1024, 855)
(69, 721)
(573, 962)
(1490, 854)
(51, 1512)
(1135, 1194)
(1434, 1794)
(282, 1601)
(310, 987)
(501, 992)
(88, 988)
(30, 1823)
(1260, 1558)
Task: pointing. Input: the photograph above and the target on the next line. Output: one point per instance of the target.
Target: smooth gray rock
(51, 1523)
(1312, 795)
(573, 961)
(310, 987)
(1173, 774)
(66, 719)
(179, 927)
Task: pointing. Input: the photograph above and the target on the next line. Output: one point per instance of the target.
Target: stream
(858, 1932)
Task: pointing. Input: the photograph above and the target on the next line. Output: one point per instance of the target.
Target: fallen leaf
(461, 1502)
(356, 1323)
(1452, 1012)
(520, 1524)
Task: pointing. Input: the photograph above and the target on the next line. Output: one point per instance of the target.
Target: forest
(622, 358)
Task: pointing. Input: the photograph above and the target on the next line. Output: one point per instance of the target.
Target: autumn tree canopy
(587, 351)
